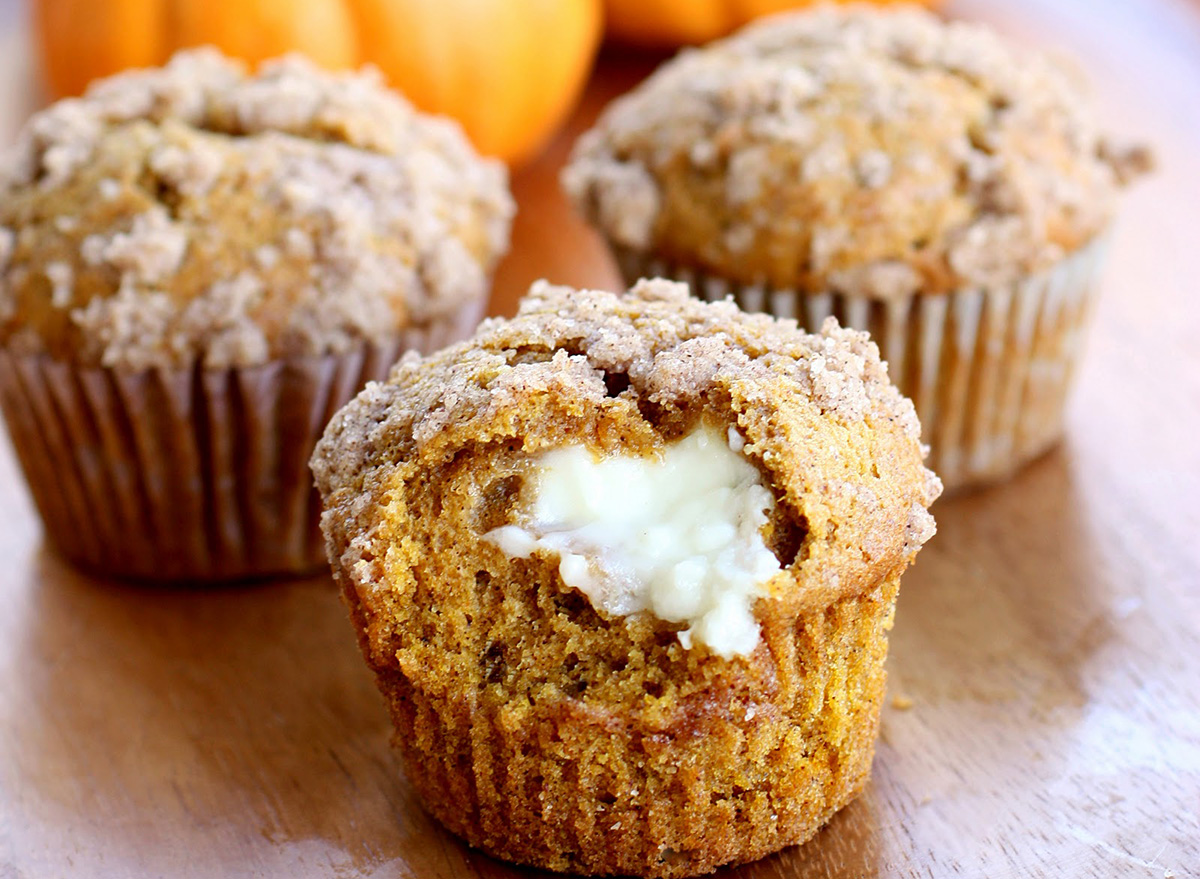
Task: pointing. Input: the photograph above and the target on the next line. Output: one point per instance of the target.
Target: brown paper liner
(987, 368)
(589, 788)
(187, 474)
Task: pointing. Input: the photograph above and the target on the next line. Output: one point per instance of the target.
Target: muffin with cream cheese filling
(623, 567)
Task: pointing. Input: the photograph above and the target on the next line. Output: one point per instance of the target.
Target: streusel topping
(627, 374)
(856, 149)
(199, 212)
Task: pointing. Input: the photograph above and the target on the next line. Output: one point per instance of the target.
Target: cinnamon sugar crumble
(191, 171)
(267, 256)
(851, 137)
(132, 322)
(189, 184)
(148, 254)
(673, 348)
(62, 282)
(109, 188)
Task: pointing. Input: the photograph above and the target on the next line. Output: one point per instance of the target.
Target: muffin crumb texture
(540, 726)
(199, 213)
(856, 150)
(678, 534)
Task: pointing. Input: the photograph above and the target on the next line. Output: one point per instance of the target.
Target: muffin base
(597, 790)
(188, 474)
(988, 369)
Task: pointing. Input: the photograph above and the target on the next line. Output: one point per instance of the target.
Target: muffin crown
(838, 442)
(197, 212)
(854, 149)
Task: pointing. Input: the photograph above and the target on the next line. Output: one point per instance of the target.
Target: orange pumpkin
(679, 22)
(508, 70)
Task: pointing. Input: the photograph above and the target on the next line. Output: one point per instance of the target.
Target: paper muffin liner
(592, 789)
(987, 368)
(187, 474)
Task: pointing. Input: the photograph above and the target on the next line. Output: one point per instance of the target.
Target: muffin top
(421, 474)
(199, 213)
(867, 151)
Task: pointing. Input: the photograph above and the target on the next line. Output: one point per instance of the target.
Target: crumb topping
(672, 347)
(148, 253)
(173, 195)
(817, 412)
(856, 149)
(62, 279)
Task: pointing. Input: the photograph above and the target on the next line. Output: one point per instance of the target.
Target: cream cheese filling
(678, 535)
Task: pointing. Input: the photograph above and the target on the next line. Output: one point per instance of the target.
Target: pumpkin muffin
(198, 267)
(623, 567)
(918, 179)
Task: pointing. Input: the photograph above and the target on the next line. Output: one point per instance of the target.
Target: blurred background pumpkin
(509, 70)
(666, 23)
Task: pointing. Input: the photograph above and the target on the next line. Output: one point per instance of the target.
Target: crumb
(62, 283)
(901, 702)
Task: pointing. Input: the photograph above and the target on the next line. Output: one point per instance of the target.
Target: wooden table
(1045, 666)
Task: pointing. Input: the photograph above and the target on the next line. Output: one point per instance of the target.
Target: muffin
(623, 567)
(198, 267)
(918, 179)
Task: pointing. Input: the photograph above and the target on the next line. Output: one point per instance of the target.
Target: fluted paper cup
(187, 474)
(987, 368)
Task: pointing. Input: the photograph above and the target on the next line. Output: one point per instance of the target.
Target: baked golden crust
(196, 213)
(548, 732)
(853, 149)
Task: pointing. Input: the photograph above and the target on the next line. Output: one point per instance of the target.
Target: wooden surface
(1048, 638)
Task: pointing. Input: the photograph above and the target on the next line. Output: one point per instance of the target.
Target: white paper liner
(188, 474)
(987, 368)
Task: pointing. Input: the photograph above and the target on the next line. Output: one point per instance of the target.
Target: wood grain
(1048, 638)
